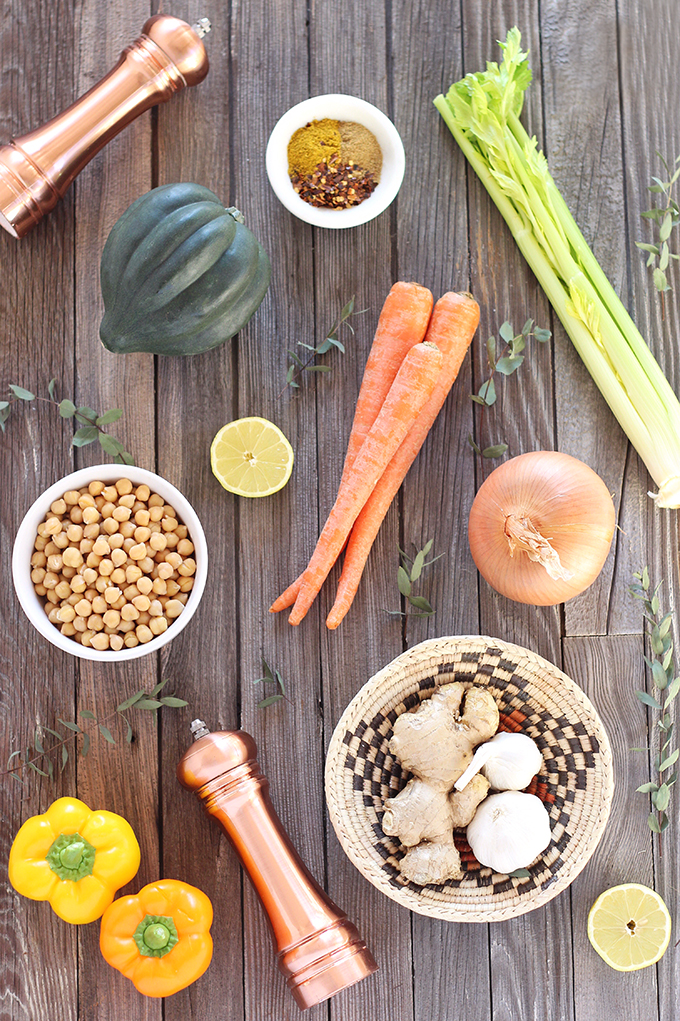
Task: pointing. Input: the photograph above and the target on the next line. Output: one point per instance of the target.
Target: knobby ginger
(436, 744)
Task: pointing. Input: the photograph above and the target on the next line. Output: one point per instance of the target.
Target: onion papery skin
(566, 502)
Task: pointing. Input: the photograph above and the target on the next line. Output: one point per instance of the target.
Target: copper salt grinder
(36, 169)
(318, 949)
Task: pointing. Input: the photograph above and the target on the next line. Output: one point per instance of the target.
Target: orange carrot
(452, 327)
(411, 389)
(402, 324)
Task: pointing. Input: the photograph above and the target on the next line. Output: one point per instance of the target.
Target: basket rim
(435, 651)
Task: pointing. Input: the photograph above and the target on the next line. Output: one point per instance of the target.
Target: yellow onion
(540, 528)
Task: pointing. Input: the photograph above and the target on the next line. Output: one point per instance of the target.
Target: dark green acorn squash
(180, 274)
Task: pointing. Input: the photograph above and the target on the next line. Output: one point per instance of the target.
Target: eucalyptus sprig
(665, 217)
(271, 677)
(505, 363)
(665, 687)
(298, 366)
(91, 423)
(36, 752)
(408, 573)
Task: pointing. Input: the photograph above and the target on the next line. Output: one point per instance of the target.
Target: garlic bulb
(508, 761)
(509, 830)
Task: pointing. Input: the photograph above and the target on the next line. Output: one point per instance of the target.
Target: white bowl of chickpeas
(110, 563)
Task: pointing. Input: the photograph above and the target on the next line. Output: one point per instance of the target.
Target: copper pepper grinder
(318, 949)
(36, 169)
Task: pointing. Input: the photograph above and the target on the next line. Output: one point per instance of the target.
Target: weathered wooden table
(605, 97)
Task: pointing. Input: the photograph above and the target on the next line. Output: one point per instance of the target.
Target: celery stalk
(482, 112)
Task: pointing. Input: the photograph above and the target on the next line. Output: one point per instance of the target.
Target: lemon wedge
(629, 926)
(251, 457)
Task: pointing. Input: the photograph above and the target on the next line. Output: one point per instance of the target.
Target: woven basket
(575, 782)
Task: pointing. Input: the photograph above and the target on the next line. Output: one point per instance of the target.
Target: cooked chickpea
(85, 546)
(143, 492)
(51, 580)
(86, 501)
(112, 618)
(157, 625)
(93, 560)
(71, 498)
(40, 543)
(144, 633)
(138, 551)
(116, 540)
(109, 526)
(118, 576)
(83, 608)
(142, 517)
(185, 547)
(72, 557)
(95, 488)
(78, 583)
(173, 608)
(68, 572)
(74, 533)
(60, 540)
(91, 531)
(131, 640)
(38, 559)
(40, 589)
(128, 500)
(80, 624)
(76, 515)
(145, 585)
(141, 602)
(55, 562)
(160, 586)
(165, 571)
(158, 541)
(52, 526)
(99, 605)
(37, 575)
(129, 612)
(142, 534)
(116, 642)
(62, 590)
(68, 630)
(181, 531)
(127, 529)
(106, 567)
(100, 642)
(66, 614)
(89, 575)
(155, 515)
(112, 595)
(101, 547)
(121, 513)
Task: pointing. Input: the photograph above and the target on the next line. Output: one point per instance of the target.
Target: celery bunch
(482, 112)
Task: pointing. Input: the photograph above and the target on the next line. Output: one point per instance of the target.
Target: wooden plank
(38, 976)
(579, 47)
(358, 261)
(275, 534)
(122, 778)
(193, 144)
(609, 669)
(645, 41)
(524, 415)
(439, 489)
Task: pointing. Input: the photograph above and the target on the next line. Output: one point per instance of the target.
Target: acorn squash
(180, 274)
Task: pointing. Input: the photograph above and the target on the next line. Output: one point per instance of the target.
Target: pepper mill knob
(318, 949)
(36, 169)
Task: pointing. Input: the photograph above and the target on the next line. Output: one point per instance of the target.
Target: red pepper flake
(335, 185)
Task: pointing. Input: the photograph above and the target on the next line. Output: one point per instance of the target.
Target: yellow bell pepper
(74, 858)
(160, 938)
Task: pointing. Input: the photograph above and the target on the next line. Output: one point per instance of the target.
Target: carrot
(402, 324)
(452, 327)
(411, 389)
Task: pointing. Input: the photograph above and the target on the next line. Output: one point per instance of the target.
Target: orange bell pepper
(74, 858)
(160, 938)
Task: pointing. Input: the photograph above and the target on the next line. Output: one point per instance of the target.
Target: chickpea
(143, 492)
(93, 560)
(157, 625)
(116, 540)
(112, 618)
(182, 532)
(131, 640)
(100, 642)
(83, 608)
(76, 515)
(165, 571)
(138, 551)
(37, 575)
(40, 589)
(52, 596)
(118, 557)
(52, 526)
(147, 565)
(172, 539)
(133, 573)
(172, 587)
(80, 624)
(127, 625)
(68, 630)
(142, 517)
(55, 562)
(66, 614)
(99, 605)
(101, 547)
(110, 526)
(86, 637)
(74, 533)
(51, 580)
(155, 514)
(106, 567)
(63, 590)
(112, 595)
(95, 488)
(173, 608)
(78, 583)
(85, 501)
(118, 576)
(116, 642)
(144, 633)
(160, 587)
(185, 547)
(128, 500)
(127, 529)
(90, 515)
(68, 572)
(40, 543)
(158, 541)
(72, 557)
(38, 559)
(95, 622)
(85, 546)
(142, 534)
(186, 584)
(155, 608)
(121, 514)
(53, 614)
(145, 585)
(141, 602)
(110, 493)
(71, 498)
(60, 540)
(129, 612)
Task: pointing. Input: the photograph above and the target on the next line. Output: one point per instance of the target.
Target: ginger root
(436, 743)
(419, 812)
(464, 803)
(431, 863)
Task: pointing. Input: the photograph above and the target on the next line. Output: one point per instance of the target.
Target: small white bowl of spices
(110, 563)
(335, 161)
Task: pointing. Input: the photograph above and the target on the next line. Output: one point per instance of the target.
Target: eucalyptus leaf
(506, 332)
(22, 394)
(487, 392)
(87, 434)
(86, 746)
(527, 328)
(87, 714)
(318, 368)
(269, 700)
(64, 757)
(130, 701)
(659, 677)
(106, 733)
(159, 687)
(646, 788)
(509, 364)
(50, 387)
(647, 699)
(150, 704)
(110, 444)
(496, 451)
(421, 603)
(69, 726)
(418, 563)
(175, 703)
(542, 335)
(109, 416)
(404, 582)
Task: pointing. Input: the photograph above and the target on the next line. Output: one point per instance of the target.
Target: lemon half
(251, 457)
(629, 926)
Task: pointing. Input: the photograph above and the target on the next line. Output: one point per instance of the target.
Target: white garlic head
(509, 831)
(508, 761)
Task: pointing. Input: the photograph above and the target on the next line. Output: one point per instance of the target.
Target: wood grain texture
(604, 97)
(609, 670)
